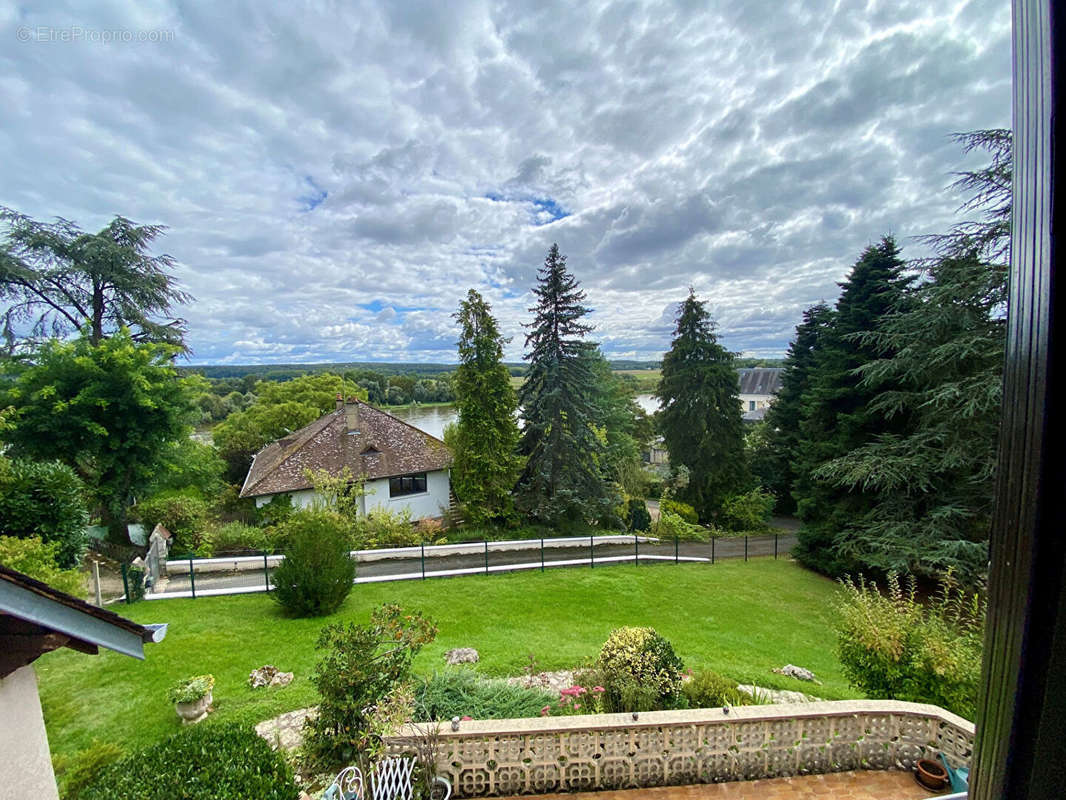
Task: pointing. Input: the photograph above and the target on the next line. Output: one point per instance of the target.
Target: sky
(336, 176)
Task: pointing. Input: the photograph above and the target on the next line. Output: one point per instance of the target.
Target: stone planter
(193, 712)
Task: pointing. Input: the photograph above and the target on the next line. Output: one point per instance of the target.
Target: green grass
(739, 619)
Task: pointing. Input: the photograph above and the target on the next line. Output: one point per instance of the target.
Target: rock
(553, 681)
(268, 675)
(776, 696)
(462, 655)
(285, 732)
(799, 673)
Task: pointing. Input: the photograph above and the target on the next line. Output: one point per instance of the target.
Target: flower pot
(931, 774)
(195, 711)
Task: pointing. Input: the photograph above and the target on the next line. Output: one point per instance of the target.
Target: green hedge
(209, 762)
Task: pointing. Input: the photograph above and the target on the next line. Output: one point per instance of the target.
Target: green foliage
(207, 762)
(236, 538)
(562, 478)
(459, 693)
(837, 414)
(107, 411)
(182, 513)
(189, 466)
(485, 439)
(749, 511)
(135, 583)
(640, 671)
(892, 646)
(340, 492)
(279, 409)
(63, 280)
(708, 689)
(384, 528)
(625, 428)
(277, 511)
(189, 690)
(76, 773)
(671, 526)
(676, 507)
(40, 559)
(639, 519)
(700, 416)
(45, 499)
(317, 572)
(359, 679)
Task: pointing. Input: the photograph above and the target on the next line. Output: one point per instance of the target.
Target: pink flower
(598, 689)
(466, 718)
(545, 711)
(577, 706)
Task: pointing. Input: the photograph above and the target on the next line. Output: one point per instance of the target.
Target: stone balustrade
(617, 751)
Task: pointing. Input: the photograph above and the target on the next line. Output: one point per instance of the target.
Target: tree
(280, 408)
(777, 451)
(44, 499)
(486, 464)
(837, 417)
(625, 428)
(58, 279)
(940, 371)
(562, 477)
(107, 410)
(700, 416)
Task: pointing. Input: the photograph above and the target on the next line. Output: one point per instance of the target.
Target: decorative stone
(462, 655)
(268, 675)
(193, 712)
(776, 696)
(553, 681)
(799, 673)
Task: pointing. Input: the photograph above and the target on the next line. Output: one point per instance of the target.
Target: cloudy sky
(335, 177)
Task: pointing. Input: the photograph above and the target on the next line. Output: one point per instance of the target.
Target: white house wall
(431, 503)
(26, 765)
(761, 401)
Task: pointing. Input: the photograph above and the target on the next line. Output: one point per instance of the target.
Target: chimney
(340, 401)
(351, 416)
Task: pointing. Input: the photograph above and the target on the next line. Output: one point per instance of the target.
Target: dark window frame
(407, 485)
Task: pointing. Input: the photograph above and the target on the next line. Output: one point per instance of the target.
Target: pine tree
(941, 370)
(837, 417)
(562, 477)
(700, 416)
(773, 462)
(485, 439)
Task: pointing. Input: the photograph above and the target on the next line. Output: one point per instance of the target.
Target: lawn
(741, 619)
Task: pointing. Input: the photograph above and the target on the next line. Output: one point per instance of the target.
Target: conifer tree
(485, 438)
(773, 462)
(562, 479)
(700, 416)
(837, 417)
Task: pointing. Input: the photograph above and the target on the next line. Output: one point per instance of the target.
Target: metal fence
(241, 574)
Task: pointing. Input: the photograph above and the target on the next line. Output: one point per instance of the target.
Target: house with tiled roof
(402, 467)
(758, 387)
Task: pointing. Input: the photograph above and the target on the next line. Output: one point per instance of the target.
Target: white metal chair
(391, 779)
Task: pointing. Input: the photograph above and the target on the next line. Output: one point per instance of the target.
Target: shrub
(208, 762)
(46, 500)
(38, 559)
(182, 513)
(671, 526)
(641, 671)
(747, 512)
(317, 572)
(76, 772)
(892, 647)
(383, 528)
(361, 680)
(638, 516)
(236, 537)
(189, 690)
(707, 689)
(459, 693)
(683, 510)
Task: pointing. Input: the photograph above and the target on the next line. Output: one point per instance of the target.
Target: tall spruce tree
(700, 416)
(562, 478)
(837, 417)
(941, 370)
(774, 461)
(485, 438)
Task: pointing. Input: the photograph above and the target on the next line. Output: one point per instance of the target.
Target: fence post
(126, 584)
(592, 554)
(423, 560)
(712, 549)
(486, 556)
(542, 554)
(266, 571)
(96, 584)
(775, 547)
(677, 557)
(636, 551)
(745, 547)
(192, 577)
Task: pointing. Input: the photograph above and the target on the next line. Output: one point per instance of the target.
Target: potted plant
(192, 698)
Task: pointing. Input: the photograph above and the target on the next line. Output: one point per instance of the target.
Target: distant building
(403, 467)
(758, 387)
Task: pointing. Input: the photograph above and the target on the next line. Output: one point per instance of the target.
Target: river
(433, 419)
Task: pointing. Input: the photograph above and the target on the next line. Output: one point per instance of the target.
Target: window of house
(751, 405)
(407, 484)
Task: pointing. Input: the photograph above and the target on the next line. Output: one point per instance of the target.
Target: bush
(383, 528)
(236, 537)
(707, 689)
(458, 693)
(76, 772)
(317, 572)
(361, 681)
(893, 647)
(38, 559)
(640, 671)
(683, 510)
(208, 762)
(182, 513)
(189, 690)
(46, 500)
(637, 513)
(671, 526)
(747, 512)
